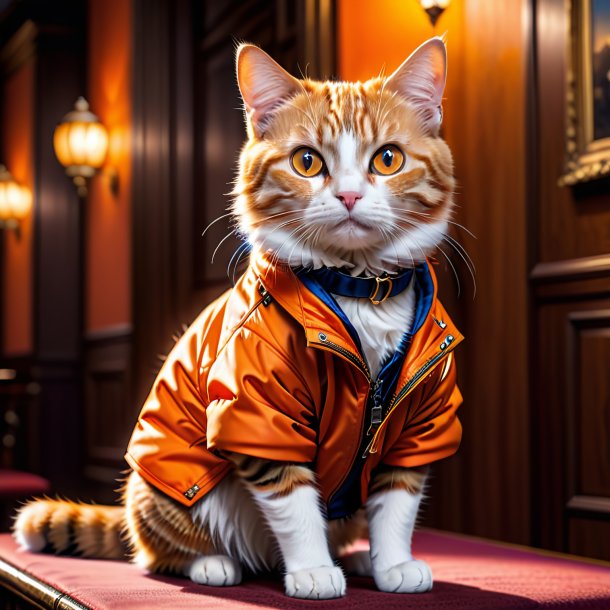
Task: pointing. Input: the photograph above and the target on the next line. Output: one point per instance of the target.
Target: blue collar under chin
(377, 289)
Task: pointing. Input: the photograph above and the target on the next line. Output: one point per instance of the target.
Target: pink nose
(348, 198)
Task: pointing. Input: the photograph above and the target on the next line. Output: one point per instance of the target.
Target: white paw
(315, 583)
(215, 570)
(408, 577)
(357, 563)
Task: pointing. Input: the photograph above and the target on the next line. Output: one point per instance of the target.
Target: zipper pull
(267, 299)
(372, 446)
(377, 409)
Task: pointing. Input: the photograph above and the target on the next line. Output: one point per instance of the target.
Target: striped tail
(70, 528)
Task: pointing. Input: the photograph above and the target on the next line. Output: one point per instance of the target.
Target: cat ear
(421, 80)
(263, 84)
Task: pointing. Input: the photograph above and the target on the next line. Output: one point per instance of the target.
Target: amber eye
(306, 162)
(387, 160)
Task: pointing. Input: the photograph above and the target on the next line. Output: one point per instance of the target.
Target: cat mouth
(352, 223)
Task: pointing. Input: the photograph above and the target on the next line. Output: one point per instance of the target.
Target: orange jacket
(269, 370)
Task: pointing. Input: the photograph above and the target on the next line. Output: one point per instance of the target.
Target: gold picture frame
(587, 92)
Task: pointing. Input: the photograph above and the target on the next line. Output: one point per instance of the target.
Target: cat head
(344, 174)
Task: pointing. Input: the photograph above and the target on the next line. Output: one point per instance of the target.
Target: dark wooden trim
(152, 250)
(590, 318)
(19, 49)
(578, 505)
(578, 268)
(319, 38)
(36, 591)
(532, 168)
(592, 505)
(108, 381)
(119, 332)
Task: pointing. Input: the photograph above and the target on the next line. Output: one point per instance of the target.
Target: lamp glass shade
(434, 4)
(21, 202)
(5, 206)
(15, 200)
(81, 141)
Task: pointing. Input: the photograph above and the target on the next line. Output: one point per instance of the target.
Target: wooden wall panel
(109, 414)
(49, 43)
(571, 335)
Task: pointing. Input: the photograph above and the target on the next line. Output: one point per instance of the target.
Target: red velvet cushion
(18, 484)
(469, 573)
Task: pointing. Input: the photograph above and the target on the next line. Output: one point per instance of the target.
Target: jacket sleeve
(260, 404)
(432, 430)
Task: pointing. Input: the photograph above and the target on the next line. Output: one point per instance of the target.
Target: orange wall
(108, 233)
(381, 34)
(17, 139)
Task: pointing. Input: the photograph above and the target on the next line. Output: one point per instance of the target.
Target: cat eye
(306, 162)
(388, 160)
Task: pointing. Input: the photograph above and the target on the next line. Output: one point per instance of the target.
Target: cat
(301, 410)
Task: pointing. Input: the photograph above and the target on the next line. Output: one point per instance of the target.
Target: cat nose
(348, 198)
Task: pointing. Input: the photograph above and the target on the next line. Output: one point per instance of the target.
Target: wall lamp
(81, 143)
(434, 9)
(15, 202)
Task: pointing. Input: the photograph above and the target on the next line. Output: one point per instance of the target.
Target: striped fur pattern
(268, 515)
(71, 528)
(278, 478)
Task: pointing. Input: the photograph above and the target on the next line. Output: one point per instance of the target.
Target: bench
(469, 573)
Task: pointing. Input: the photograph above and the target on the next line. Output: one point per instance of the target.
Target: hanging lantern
(434, 9)
(81, 143)
(15, 201)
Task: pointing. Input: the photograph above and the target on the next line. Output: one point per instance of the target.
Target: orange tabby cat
(299, 412)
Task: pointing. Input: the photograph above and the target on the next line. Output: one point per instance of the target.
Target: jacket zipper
(375, 387)
(376, 417)
(446, 348)
(359, 362)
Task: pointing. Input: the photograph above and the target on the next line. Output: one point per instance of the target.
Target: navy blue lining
(347, 498)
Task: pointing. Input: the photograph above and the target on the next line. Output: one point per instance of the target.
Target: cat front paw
(215, 571)
(409, 577)
(315, 583)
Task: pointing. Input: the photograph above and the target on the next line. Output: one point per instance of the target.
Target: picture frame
(587, 92)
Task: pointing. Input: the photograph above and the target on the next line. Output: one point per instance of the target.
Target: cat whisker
(240, 249)
(395, 233)
(466, 258)
(215, 221)
(451, 222)
(232, 232)
(455, 273)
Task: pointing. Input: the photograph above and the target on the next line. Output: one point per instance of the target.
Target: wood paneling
(571, 334)
(51, 44)
(109, 414)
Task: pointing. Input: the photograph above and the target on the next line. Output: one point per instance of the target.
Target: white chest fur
(380, 327)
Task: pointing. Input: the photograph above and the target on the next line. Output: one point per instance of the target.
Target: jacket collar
(317, 318)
